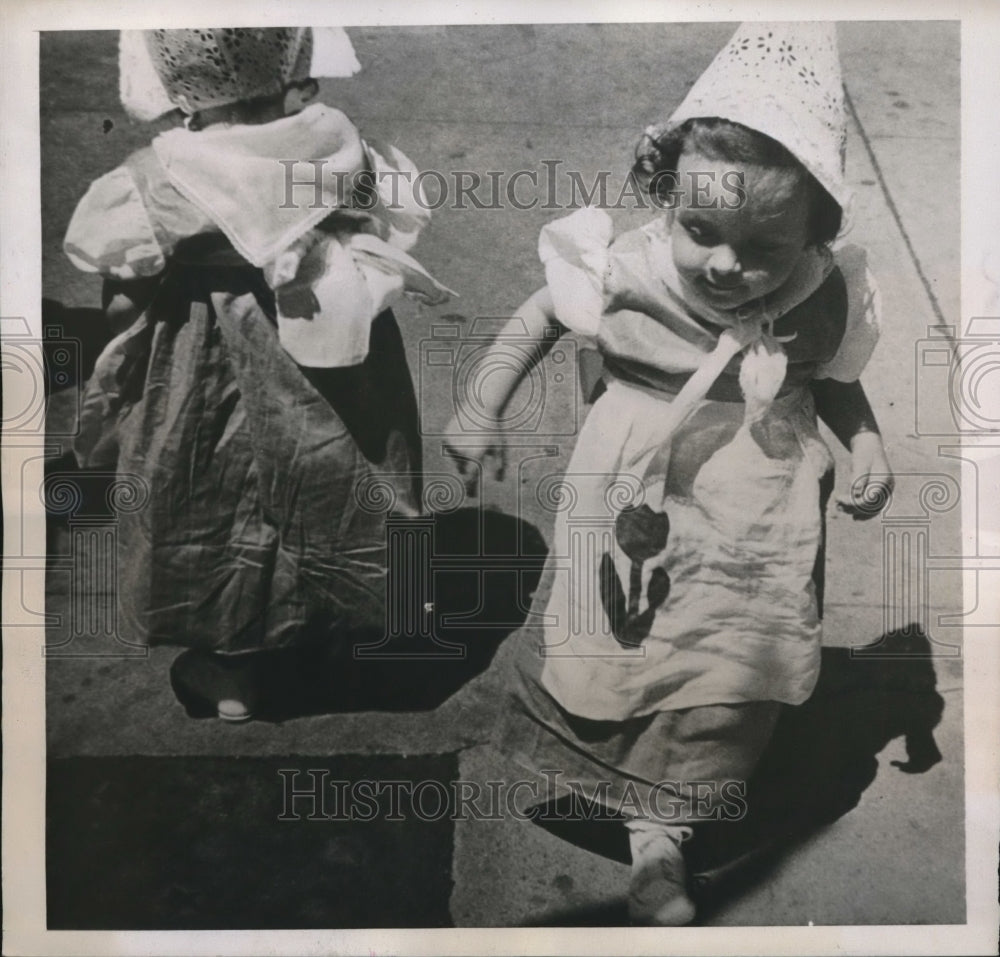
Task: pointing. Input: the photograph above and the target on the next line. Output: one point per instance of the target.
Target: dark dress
(258, 530)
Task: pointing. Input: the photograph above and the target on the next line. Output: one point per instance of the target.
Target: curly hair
(658, 153)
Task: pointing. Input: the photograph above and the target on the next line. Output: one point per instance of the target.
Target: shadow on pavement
(205, 843)
(484, 568)
(822, 758)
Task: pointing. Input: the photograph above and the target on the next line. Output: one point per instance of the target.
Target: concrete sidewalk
(506, 99)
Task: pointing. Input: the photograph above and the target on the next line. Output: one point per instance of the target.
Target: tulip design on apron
(641, 534)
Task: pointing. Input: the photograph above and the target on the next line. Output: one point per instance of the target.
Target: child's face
(731, 256)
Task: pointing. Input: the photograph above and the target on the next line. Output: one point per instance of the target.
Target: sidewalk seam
(894, 210)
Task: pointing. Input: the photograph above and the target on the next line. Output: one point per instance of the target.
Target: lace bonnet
(783, 80)
(197, 69)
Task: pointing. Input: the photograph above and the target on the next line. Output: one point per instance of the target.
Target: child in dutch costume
(260, 376)
(686, 611)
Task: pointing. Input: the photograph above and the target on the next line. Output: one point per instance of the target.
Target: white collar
(241, 176)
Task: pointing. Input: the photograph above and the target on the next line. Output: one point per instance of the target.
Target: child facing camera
(724, 327)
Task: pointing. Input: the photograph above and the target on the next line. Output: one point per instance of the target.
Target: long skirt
(259, 488)
(681, 608)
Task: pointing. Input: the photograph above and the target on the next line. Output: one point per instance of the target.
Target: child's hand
(872, 481)
(469, 450)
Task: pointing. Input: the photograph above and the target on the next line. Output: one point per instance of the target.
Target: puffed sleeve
(864, 318)
(574, 251)
(111, 233)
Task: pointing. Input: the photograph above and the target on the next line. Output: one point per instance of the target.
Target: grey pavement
(507, 98)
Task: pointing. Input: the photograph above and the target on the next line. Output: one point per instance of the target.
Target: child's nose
(723, 262)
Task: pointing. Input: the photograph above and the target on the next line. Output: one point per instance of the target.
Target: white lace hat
(160, 70)
(783, 80)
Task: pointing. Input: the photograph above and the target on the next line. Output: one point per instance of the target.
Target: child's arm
(845, 409)
(534, 322)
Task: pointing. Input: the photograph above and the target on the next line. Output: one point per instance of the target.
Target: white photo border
(23, 672)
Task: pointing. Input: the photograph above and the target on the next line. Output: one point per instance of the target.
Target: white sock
(658, 887)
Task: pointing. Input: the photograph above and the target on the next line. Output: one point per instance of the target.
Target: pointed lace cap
(783, 80)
